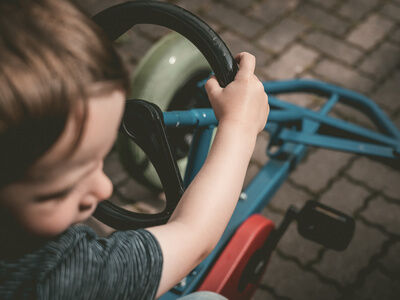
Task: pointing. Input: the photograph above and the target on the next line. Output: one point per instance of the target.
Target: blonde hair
(52, 59)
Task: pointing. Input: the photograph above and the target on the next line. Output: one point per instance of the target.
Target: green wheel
(167, 76)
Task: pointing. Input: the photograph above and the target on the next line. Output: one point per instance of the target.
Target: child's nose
(103, 187)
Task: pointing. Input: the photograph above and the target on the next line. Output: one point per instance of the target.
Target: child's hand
(243, 102)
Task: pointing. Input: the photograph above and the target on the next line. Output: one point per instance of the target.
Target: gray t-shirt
(80, 265)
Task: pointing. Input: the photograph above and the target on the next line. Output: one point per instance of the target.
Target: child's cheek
(47, 222)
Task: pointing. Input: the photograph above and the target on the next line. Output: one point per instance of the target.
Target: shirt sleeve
(126, 265)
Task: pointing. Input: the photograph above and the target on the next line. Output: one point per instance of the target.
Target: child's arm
(208, 203)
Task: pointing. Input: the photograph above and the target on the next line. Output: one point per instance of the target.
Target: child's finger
(212, 86)
(247, 64)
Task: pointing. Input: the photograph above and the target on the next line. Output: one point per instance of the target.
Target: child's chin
(45, 230)
(48, 233)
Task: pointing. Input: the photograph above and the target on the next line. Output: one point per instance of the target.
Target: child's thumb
(212, 86)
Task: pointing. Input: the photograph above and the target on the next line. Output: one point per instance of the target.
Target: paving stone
(114, 169)
(317, 101)
(387, 95)
(344, 266)
(392, 11)
(262, 294)
(240, 4)
(308, 76)
(378, 286)
(293, 244)
(349, 78)
(237, 44)
(370, 32)
(382, 60)
(282, 34)
(322, 19)
(294, 61)
(391, 261)
(319, 168)
(234, 20)
(345, 196)
(377, 176)
(396, 36)
(271, 10)
(260, 150)
(289, 195)
(252, 171)
(333, 46)
(195, 6)
(355, 9)
(217, 27)
(326, 3)
(272, 215)
(397, 122)
(352, 115)
(288, 280)
(261, 75)
(384, 213)
(301, 99)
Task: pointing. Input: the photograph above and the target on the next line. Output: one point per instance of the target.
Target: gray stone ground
(354, 44)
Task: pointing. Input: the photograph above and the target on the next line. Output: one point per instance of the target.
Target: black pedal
(325, 225)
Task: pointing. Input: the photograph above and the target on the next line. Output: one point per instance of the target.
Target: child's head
(62, 91)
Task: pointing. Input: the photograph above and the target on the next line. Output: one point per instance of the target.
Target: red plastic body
(224, 276)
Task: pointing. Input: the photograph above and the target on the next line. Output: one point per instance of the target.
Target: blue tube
(351, 98)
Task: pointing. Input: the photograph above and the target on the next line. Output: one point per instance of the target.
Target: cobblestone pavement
(354, 44)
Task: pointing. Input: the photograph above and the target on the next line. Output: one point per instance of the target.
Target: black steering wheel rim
(118, 19)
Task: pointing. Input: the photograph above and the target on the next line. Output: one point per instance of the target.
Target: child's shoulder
(78, 259)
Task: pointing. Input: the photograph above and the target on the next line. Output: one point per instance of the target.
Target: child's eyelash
(59, 195)
(56, 195)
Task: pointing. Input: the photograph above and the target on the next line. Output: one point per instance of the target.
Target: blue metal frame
(292, 142)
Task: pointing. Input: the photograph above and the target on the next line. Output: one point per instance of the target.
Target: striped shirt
(80, 265)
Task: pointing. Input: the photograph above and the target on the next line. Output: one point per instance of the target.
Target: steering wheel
(115, 21)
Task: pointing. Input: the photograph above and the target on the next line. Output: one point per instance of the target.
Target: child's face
(61, 192)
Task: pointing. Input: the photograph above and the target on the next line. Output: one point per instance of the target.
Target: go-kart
(173, 127)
